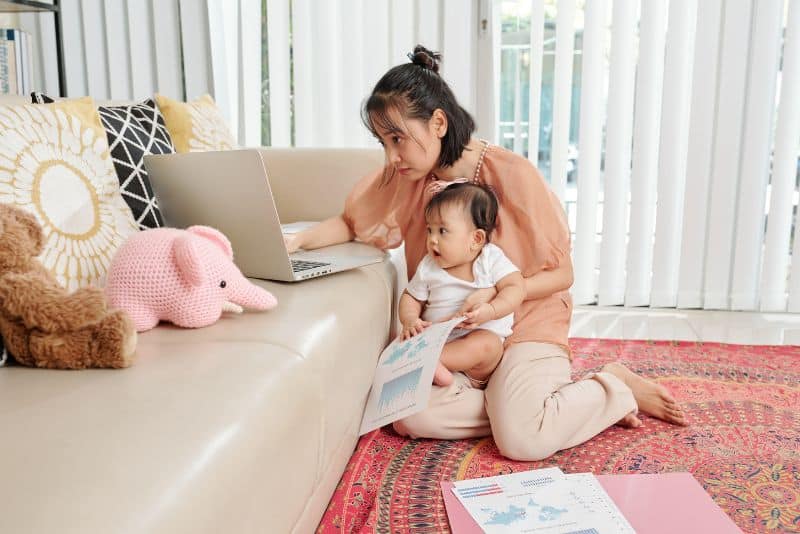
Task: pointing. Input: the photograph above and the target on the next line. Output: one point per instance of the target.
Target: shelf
(25, 6)
(35, 6)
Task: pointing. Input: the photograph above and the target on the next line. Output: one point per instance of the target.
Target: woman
(530, 404)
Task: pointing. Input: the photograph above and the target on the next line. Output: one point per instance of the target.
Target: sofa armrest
(312, 184)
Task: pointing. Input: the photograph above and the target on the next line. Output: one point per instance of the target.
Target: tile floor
(687, 325)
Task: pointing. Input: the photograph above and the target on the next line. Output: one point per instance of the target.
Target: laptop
(230, 191)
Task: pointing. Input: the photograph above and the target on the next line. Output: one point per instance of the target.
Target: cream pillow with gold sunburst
(195, 126)
(55, 163)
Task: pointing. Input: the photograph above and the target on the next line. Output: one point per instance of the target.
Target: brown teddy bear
(41, 324)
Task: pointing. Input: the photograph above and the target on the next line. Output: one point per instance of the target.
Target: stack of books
(550, 501)
(15, 62)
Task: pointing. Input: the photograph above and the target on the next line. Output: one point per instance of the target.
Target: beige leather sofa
(243, 426)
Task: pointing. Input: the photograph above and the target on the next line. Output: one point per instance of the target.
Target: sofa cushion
(244, 426)
(133, 131)
(54, 163)
(196, 126)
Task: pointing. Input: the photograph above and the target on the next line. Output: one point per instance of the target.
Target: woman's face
(414, 147)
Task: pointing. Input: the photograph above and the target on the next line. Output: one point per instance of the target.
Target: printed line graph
(399, 391)
(480, 490)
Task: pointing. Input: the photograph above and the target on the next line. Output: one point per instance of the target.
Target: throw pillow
(133, 131)
(54, 162)
(195, 126)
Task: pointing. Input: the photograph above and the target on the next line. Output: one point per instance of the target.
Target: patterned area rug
(742, 444)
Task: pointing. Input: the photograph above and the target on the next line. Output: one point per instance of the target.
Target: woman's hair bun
(425, 58)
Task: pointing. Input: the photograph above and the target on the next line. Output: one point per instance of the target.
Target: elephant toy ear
(215, 236)
(187, 258)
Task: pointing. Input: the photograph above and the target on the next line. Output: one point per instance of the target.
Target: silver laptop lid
(229, 191)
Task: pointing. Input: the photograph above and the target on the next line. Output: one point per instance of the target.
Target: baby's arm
(409, 311)
(510, 294)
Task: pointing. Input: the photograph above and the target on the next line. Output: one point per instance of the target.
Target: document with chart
(402, 383)
(542, 500)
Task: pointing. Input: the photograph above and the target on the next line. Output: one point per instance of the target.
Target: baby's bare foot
(653, 399)
(442, 375)
(630, 421)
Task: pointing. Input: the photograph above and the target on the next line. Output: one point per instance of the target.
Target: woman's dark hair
(478, 198)
(416, 90)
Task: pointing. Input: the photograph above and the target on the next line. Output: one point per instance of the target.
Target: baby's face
(451, 236)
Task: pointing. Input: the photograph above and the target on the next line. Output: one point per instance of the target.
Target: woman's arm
(329, 232)
(546, 283)
(541, 284)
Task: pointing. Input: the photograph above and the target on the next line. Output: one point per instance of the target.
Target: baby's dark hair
(416, 90)
(477, 198)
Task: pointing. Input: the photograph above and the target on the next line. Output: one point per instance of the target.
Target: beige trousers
(530, 405)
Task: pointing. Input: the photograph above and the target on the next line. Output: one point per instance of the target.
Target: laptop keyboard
(302, 265)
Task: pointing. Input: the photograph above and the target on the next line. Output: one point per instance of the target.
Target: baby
(460, 260)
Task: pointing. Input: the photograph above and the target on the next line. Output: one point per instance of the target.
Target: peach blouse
(531, 229)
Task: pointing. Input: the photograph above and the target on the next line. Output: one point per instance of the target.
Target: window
(515, 71)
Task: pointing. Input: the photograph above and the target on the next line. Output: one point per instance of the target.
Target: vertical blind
(340, 48)
(672, 147)
(323, 57)
(124, 50)
(686, 188)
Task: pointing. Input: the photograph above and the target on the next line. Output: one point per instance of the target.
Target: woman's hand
(329, 232)
(412, 328)
(479, 296)
(293, 242)
(479, 314)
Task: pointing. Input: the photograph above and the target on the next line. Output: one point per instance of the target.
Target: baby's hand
(479, 314)
(413, 328)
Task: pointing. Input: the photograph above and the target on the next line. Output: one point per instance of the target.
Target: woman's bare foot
(653, 399)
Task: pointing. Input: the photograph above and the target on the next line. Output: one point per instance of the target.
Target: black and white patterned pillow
(133, 131)
(3, 353)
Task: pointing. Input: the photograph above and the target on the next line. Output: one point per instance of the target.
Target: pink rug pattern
(742, 443)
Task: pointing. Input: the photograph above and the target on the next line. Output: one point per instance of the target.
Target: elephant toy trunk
(251, 296)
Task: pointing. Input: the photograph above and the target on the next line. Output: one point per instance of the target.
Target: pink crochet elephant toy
(186, 277)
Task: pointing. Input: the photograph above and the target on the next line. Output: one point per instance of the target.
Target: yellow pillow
(55, 163)
(195, 126)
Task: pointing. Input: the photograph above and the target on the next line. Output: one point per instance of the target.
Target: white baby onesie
(445, 293)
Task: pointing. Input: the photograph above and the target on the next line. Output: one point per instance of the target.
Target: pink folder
(652, 504)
